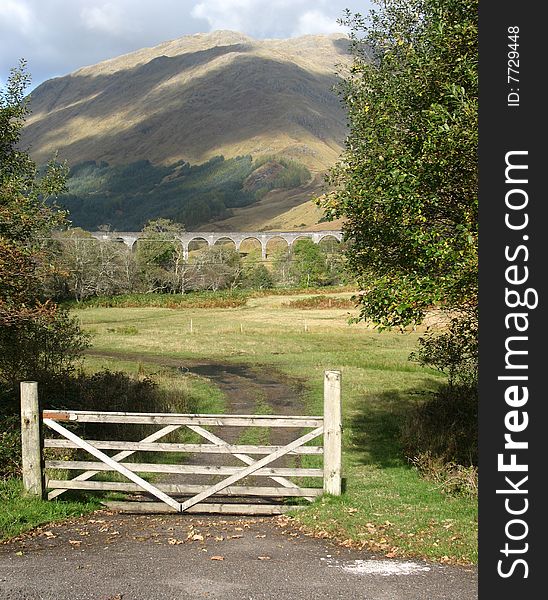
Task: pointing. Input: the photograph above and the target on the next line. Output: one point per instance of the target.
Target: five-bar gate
(231, 481)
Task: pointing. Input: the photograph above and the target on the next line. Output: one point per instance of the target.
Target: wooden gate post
(332, 432)
(31, 439)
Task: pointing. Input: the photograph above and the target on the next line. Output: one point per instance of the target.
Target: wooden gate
(185, 497)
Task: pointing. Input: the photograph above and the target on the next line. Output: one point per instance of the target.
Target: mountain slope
(195, 98)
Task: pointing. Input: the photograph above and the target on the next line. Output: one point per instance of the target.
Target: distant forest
(125, 197)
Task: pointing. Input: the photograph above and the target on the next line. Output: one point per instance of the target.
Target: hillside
(191, 100)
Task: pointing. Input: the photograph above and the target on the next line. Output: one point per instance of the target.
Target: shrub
(445, 427)
(452, 478)
(10, 448)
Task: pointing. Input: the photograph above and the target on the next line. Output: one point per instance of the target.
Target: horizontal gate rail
(78, 465)
(173, 447)
(185, 489)
(260, 461)
(84, 416)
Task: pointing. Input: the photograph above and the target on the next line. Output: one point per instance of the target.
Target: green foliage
(38, 340)
(407, 186)
(407, 183)
(455, 350)
(444, 427)
(10, 447)
(127, 196)
(39, 346)
(256, 277)
(159, 255)
(309, 265)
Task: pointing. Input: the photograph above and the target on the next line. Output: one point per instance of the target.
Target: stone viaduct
(211, 238)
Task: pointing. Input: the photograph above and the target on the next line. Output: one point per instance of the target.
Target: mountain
(191, 102)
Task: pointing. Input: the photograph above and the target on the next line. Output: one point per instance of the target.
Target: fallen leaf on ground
(217, 558)
(75, 542)
(263, 557)
(173, 541)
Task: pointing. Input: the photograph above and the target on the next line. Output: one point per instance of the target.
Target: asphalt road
(109, 556)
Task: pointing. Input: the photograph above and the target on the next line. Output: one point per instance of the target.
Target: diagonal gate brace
(243, 457)
(250, 469)
(118, 457)
(113, 464)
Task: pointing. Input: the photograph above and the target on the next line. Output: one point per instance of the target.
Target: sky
(57, 37)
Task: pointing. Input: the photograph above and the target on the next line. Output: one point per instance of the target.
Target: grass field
(386, 507)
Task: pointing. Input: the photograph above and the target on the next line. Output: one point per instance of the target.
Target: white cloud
(223, 14)
(315, 21)
(59, 36)
(108, 18)
(275, 18)
(18, 14)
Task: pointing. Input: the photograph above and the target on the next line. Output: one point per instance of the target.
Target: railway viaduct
(211, 238)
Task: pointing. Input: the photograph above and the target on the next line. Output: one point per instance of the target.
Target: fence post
(332, 436)
(31, 439)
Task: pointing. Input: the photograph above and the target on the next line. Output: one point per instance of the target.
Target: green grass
(387, 507)
(21, 512)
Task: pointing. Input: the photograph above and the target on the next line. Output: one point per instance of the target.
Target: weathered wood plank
(175, 447)
(243, 457)
(118, 457)
(184, 489)
(184, 419)
(31, 444)
(333, 432)
(183, 469)
(109, 462)
(226, 509)
(251, 468)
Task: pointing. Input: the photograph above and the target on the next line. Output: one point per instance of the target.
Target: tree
(160, 256)
(255, 275)
(217, 267)
(37, 338)
(308, 264)
(407, 184)
(89, 267)
(407, 181)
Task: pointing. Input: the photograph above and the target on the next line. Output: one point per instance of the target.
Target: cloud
(59, 36)
(315, 21)
(17, 14)
(108, 18)
(275, 18)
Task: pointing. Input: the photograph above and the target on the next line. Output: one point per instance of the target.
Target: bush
(444, 427)
(104, 391)
(454, 351)
(10, 448)
(452, 478)
(39, 344)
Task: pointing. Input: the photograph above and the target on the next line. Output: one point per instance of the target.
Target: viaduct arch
(263, 237)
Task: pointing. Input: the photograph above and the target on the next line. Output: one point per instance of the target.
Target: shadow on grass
(375, 426)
